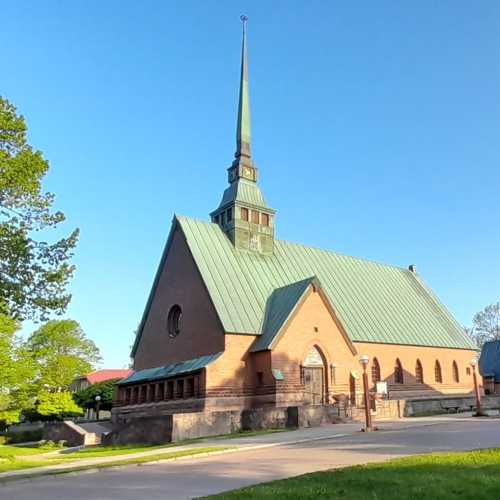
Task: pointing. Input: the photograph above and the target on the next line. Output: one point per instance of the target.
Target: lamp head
(363, 360)
(97, 398)
(473, 362)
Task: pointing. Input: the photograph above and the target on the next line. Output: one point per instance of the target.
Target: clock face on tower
(248, 173)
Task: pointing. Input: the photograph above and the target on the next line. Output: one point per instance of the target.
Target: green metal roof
(162, 372)
(374, 302)
(246, 192)
(279, 307)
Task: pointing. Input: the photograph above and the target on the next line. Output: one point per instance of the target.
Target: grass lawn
(104, 451)
(464, 475)
(7, 451)
(11, 463)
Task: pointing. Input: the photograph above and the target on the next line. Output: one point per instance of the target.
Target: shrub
(24, 436)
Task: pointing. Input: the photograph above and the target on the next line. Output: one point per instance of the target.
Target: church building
(237, 319)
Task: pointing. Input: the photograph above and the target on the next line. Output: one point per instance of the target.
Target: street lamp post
(473, 363)
(97, 406)
(363, 360)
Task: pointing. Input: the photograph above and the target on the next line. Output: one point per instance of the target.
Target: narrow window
(229, 214)
(398, 372)
(144, 390)
(265, 219)
(438, 376)
(170, 389)
(244, 214)
(152, 393)
(222, 219)
(419, 373)
(128, 395)
(174, 321)
(260, 379)
(160, 395)
(180, 388)
(190, 387)
(375, 371)
(467, 370)
(255, 216)
(456, 376)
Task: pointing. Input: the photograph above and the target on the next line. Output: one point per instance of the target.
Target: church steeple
(243, 213)
(243, 129)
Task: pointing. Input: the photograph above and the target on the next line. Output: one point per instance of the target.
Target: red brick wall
(201, 333)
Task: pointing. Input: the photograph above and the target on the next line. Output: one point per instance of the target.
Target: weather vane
(244, 19)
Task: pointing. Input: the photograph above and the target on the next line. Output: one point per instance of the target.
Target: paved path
(203, 476)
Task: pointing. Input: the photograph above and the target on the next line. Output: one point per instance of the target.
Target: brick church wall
(201, 333)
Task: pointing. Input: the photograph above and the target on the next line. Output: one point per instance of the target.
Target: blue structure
(489, 366)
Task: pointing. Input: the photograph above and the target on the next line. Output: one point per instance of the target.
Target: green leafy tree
(86, 397)
(16, 373)
(33, 272)
(61, 352)
(486, 324)
(55, 406)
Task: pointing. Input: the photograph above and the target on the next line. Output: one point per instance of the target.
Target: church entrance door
(314, 378)
(313, 381)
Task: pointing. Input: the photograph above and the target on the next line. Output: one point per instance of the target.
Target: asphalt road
(197, 477)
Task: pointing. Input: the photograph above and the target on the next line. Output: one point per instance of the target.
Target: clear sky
(375, 128)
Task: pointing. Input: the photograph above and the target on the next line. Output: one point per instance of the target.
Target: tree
(33, 272)
(486, 324)
(55, 406)
(16, 371)
(61, 352)
(86, 397)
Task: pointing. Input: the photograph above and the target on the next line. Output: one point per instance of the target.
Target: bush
(52, 406)
(3, 439)
(24, 436)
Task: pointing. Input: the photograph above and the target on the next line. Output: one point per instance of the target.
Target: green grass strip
(444, 476)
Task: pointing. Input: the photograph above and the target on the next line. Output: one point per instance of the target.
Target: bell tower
(243, 213)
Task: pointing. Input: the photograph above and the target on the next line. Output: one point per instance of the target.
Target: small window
(170, 389)
(260, 379)
(255, 216)
(398, 372)
(467, 370)
(438, 375)
(375, 371)
(244, 214)
(143, 393)
(190, 387)
(174, 321)
(229, 214)
(180, 388)
(419, 373)
(152, 392)
(265, 219)
(456, 375)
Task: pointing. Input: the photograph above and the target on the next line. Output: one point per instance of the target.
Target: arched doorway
(314, 377)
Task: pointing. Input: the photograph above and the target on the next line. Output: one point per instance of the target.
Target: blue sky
(375, 129)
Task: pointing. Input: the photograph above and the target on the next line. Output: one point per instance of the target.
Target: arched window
(438, 376)
(419, 373)
(398, 372)
(375, 371)
(454, 369)
(174, 321)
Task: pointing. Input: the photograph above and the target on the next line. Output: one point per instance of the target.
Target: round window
(174, 321)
